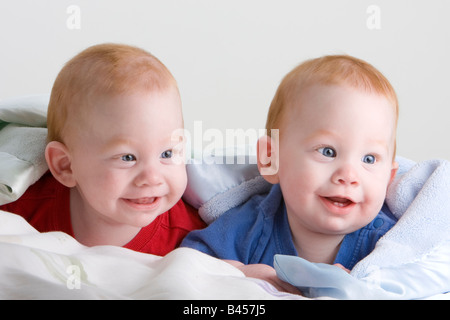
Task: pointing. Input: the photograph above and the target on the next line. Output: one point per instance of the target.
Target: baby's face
(127, 157)
(336, 158)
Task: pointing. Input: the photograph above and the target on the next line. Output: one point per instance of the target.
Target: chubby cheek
(374, 196)
(298, 186)
(101, 183)
(177, 181)
(103, 188)
(302, 175)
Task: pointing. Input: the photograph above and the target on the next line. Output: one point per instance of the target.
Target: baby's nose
(346, 175)
(148, 177)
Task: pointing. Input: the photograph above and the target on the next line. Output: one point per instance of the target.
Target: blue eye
(128, 158)
(167, 154)
(327, 152)
(369, 159)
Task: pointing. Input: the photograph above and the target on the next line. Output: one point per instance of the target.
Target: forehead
(323, 99)
(322, 107)
(141, 114)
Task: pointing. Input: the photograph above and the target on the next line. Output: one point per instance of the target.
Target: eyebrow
(381, 143)
(328, 133)
(115, 143)
(321, 133)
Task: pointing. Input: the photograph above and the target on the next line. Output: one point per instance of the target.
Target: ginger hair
(328, 70)
(105, 69)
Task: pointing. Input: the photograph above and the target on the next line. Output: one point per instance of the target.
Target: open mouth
(339, 202)
(143, 200)
(338, 205)
(146, 203)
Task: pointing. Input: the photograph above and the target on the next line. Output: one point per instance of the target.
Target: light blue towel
(411, 261)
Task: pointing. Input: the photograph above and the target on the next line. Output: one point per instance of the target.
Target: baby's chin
(343, 227)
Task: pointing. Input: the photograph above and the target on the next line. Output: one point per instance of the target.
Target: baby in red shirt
(116, 154)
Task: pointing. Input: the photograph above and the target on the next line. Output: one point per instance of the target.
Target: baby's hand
(264, 272)
(342, 267)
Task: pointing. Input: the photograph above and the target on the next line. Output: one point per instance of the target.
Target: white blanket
(22, 144)
(53, 265)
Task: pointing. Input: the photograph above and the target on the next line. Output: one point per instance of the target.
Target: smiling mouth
(146, 203)
(143, 200)
(339, 202)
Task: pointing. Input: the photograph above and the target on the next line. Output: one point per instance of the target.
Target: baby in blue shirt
(329, 154)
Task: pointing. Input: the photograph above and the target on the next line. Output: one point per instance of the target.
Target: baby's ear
(268, 157)
(394, 170)
(59, 163)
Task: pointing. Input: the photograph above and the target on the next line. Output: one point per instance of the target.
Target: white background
(229, 56)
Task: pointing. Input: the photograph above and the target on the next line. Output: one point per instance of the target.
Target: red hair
(104, 69)
(328, 70)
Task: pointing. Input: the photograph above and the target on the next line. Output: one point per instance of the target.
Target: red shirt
(46, 206)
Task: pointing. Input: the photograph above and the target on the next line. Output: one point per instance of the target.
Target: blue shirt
(258, 229)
